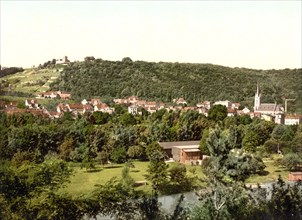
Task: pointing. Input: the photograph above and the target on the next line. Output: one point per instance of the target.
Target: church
(266, 108)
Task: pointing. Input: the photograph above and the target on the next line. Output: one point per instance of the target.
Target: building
(295, 176)
(205, 104)
(186, 152)
(63, 60)
(225, 103)
(266, 108)
(180, 101)
(31, 103)
(103, 107)
(133, 109)
(231, 112)
(293, 119)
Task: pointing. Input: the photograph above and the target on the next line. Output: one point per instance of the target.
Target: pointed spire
(257, 88)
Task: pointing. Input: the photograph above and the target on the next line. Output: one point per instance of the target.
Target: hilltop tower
(257, 98)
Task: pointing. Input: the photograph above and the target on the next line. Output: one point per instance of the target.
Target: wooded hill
(164, 81)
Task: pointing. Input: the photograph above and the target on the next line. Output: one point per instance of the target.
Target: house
(188, 108)
(84, 102)
(62, 108)
(151, 109)
(50, 94)
(87, 108)
(103, 108)
(161, 105)
(150, 104)
(231, 112)
(205, 104)
(279, 118)
(121, 101)
(203, 110)
(53, 114)
(31, 103)
(267, 117)
(133, 109)
(225, 103)
(141, 102)
(76, 108)
(293, 119)
(64, 95)
(186, 152)
(133, 99)
(181, 101)
(95, 102)
(244, 111)
(235, 105)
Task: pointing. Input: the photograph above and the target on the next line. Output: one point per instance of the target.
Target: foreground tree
(157, 170)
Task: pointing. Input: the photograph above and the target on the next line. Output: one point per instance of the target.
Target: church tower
(257, 99)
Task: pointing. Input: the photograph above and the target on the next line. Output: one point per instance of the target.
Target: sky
(251, 34)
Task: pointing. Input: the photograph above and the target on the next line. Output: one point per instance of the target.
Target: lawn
(83, 182)
(270, 174)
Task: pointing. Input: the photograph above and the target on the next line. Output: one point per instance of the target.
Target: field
(82, 182)
(270, 174)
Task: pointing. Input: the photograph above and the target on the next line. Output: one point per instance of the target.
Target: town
(266, 111)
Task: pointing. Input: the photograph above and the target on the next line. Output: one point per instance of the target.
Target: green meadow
(83, 182)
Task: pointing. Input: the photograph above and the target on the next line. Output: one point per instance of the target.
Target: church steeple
(257, 99)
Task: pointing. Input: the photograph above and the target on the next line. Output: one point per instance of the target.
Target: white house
(225, 103)
(293, 119)
(133, 109)
(205, 104)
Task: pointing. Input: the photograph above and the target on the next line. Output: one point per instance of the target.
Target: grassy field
(83, 182)
(270, 174)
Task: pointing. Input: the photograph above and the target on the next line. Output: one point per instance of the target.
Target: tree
(29, 191)
(226, 165)
(235, 137)
(88, 157)
(66, 148)
(292, 161)
(127, 119)
(218, 113)
(157, 170)
(136, 152)
(119, 155)
(203, 142)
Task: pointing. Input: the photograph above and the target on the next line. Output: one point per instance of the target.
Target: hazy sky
(252, 34)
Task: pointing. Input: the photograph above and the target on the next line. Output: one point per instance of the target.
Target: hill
(165, 81)
(29, 81)
(161, 81)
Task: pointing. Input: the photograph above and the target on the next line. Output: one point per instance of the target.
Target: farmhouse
(186, 152)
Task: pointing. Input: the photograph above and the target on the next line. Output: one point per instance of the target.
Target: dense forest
(166, 81)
